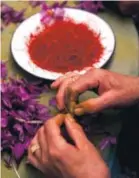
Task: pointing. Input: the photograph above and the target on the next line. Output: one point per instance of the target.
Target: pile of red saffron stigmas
(65, 46)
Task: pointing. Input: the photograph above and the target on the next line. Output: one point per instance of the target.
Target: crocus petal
(5, 8)
(8, 15)
(19, 129)
(18, 16)
(59, 12)
(35, 3)
(4, 122)
(87, 5)
(91, 6)
(55, 5)
(22, 93)
(113, 140)
(104, 143)
(3, 70)
(44, 6)
(100, 5)
(18, 151)
(46, 20)
(52, 102)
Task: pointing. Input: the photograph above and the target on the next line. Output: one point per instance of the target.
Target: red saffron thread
(65, 46)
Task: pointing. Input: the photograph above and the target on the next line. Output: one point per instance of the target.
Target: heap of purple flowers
(8, 14)
(21, 113)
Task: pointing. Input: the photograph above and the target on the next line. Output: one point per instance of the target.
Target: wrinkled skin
(114, 90)
(57, 158)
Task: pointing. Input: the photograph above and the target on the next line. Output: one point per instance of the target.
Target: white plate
(21, 36)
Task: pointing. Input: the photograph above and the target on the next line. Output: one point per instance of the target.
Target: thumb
(96, 104)
(76, 132)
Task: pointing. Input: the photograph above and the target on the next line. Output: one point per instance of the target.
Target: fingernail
(70, 118)
(79, 111)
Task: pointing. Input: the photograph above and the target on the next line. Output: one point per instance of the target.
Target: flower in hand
(58, 157)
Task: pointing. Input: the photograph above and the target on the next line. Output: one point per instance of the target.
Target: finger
(52, 130)
(43, 144)
(83, 83)
(61, 93)
(34, 161)
(58, 82)
(59, 119)
(96, 104)
(75, 132)
(62, 89)
(37, 153)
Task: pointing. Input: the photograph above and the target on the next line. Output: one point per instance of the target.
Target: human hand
(114, 90)
(81, 160)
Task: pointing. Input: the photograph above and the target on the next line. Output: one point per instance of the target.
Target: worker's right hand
(59, 158)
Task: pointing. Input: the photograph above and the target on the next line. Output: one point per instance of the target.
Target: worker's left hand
(81, 160)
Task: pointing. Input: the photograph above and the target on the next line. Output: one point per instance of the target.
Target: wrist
(101, 172)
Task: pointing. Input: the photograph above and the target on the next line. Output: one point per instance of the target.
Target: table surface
(125, 60)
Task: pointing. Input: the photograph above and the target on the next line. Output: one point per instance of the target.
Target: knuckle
(54, 153)
(66, 83)
(72, 88)
(44, 160)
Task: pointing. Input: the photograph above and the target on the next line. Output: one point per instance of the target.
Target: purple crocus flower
(51, 13)
(22, 114)
(35, 3)
(8, 14)
(90, 6)
(58, 13)
(52, 102)
(3, 70)
(18, 151)
(107, 141)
